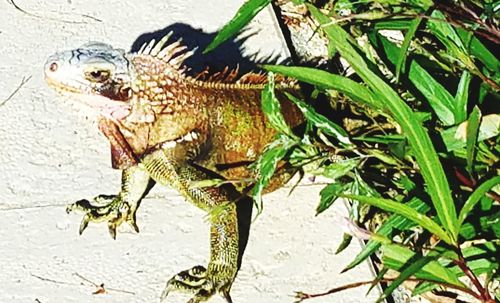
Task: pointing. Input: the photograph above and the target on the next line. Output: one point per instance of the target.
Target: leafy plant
(429, 158)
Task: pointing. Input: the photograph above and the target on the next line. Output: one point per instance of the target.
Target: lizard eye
(97, 75)
(53, 67)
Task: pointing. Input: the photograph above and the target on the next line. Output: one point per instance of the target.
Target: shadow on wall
(228, 54)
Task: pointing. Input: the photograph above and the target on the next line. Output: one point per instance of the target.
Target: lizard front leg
(219, 275)
(116, 209)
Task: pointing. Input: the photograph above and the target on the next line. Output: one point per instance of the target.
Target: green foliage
(421, 171)
(249, 10)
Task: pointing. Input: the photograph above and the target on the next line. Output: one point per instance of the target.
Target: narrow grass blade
(415, 264)
(394, 222)
(397, 257)
(329, 194)
(481, 52)
(461, 98)
(472, 134)
(272, 109)
(246, 13)
(476, 196)
(326, 80)
(400, 63)
(266, 166)
(320, 121)
(405, 211)
(441, 101)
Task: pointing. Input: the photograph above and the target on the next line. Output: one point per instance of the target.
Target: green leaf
(421, 145)
(382, 156)
(455, 137)
(330, 194)
(449, 37)
(476, 196)
(394, 222)
(405, 211)
(461, 97)
(444, 31)
(326, 80)
(423, 288)
(385, 139)
(246, 13)
(482, 258)
(337, 169)
(393, 25)
(481, 52)
(266, 165)
(400, 64)
(415, 264)
(320, 121)
(472, 133)
(272, 109)
(346, 240)
(441, 101)
(397, 257)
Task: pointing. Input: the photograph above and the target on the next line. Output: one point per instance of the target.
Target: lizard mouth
(107, 107)
(190, 136)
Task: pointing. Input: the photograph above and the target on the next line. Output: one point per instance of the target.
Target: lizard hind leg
(218, 277)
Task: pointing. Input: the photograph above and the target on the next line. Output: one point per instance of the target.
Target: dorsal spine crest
(175, 54)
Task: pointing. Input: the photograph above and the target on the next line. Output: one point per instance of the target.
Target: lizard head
(96, 74)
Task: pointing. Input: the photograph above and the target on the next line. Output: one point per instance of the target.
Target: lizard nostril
(53, 67)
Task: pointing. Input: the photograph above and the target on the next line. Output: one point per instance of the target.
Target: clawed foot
(199, 282)
(105, 208)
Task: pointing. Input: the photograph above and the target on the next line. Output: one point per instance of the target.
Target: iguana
(167, 127)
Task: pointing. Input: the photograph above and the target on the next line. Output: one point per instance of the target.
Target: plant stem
(303, 296)
(462, 264)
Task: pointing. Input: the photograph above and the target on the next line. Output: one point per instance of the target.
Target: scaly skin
(176, 130)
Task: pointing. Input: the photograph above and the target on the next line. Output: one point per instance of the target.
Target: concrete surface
(51, 155)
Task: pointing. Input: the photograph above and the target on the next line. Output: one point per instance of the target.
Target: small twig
(304, 296)
(50, 18)
(100, 287)
(85, 279)
(23, 82)
(53, 281)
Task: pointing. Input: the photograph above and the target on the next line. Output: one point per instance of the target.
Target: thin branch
(462, 264)
(79, 284)
(85, 279)
(11, 2)
(304, 296)
(53, 281)
(23, 82)
(101, 286)
(63, 204)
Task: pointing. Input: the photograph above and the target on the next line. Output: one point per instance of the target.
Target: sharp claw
(225, 294)
(84, 224)
(134, 225)
(164, 294)
(112, 230)
(131, 220)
